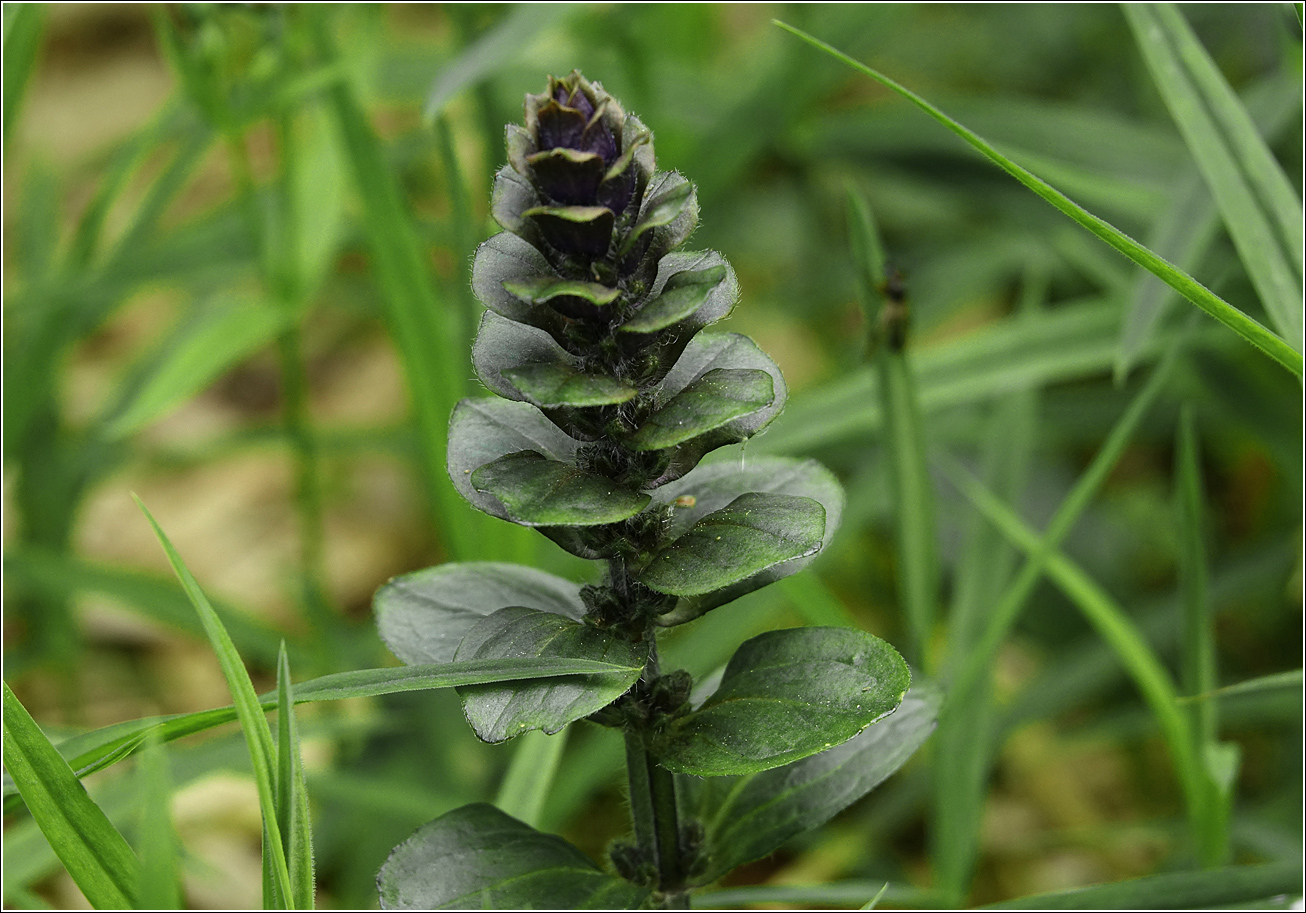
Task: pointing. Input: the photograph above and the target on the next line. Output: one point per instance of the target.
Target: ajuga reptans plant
(611, 389)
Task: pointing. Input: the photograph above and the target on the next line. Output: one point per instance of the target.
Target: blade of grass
(102, 748)
(1191, 223)
(502, 44)
(838, 894)
(525, 786)
(1197, 666)
(90, 847)
(292, 794)
(24, 24)
(1113, 625)
(918, 548)
(1070, 342)
(157, 839)
(249, 711)
(1256, 200)
(1291, 681)
(427, 331)
(1172, 890)
(1250, 330)
(966, 737)
(814, 602)
(1013, 599)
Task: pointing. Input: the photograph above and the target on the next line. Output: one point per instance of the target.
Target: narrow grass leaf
(526, 784)
(1252, 331)
(501, 45)
(1112, 624)
(156, 837)
(292, 793)
(90, 847)
(1258, 204)
(918, 549)
(814, 602)
(105, 747)
(24, 24)
(1290, 681)
(213, 340)
(249, 710)
(428, 333)
(1235, 884)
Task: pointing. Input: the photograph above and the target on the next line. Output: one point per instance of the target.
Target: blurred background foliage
(237, 246)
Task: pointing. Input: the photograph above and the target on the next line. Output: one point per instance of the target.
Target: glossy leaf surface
(501, 711)
(476, 857)
(522, 362)
(754, 532)
(684, 293)
(786, 695)
(538, 491)
(715, 399)
(423, 616)
(710, 488)
(751, 816)
(482, 430)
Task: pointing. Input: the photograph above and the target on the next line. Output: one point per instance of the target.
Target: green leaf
(1233, 884)
(293, 818)
(719, 301)
(754, 532)
(506, 260)
(499, 712)
(477, 857)
(710, 488)
(253, 724)
(91, 849)
(423, 616)
(707, 352)
(752, 816)
(499, 46)
(428, 332)
(543, 289)
(1256, 200)
(1215, 306)
(483, 430)
(215, 339)
(105, 747)
(523, 363)
(713, 400)
(529, 778)
(786, 695)
(537, 491)
(670, 204)
(157, 838)
(684, 293)
(584, 228)
(24, 24)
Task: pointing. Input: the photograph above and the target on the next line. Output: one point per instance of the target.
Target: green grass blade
(814, 602)
(1250, 330)
(838, 894)
(1009, 606)
(1233, 884)
(1197, 646)
(501, 45)
(1025, 351)
(292, 794)
(90, 847)
(1258, 205)
(525, 786)
(102, 748)
(427, 331)
(918, 548)
(1291, 681)
(249, 710)
(24, 24)
(1113, 625)
(157, 839)
(1197, 653)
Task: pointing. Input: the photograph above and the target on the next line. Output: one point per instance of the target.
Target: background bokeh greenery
(221, 294)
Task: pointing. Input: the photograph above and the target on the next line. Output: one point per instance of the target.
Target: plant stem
(654, 810)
